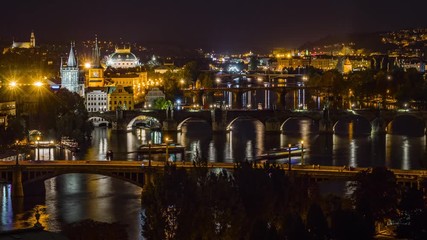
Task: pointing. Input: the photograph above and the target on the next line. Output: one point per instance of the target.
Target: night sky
(216, 25)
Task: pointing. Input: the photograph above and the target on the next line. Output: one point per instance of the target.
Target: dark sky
(219, 25)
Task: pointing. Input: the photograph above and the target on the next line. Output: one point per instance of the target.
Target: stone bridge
(380, 121)
(27, 177)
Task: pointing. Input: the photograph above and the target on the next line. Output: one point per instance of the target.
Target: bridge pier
(378, 126)
(325, 124)
(326, 127)
(170, 125)
(272, 125)
(237, 100)
(17, 186)
(118, 126)
(281, 100)
(219, 120)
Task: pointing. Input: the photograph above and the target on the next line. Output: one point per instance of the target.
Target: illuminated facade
(70, 74)
(96, 101)
(137, 80)
(120, 97)
(122, 58)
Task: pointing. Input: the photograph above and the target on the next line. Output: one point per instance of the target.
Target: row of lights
(15, 84)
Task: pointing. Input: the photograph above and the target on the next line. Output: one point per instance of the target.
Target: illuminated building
(122, 58)
(134, 78)
(70, 74)
(96, 101)
(95, 77)
(26, 45)
(120, 97)
(6, 109)
(344, 66)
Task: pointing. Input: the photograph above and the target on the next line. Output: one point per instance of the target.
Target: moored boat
(70, 144)
(281, 153)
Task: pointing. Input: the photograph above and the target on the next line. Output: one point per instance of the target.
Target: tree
(13, 132)
(317, 225)
(190, 71)
(413, 215)
(161, 103)
(376, 194)
(350, 225)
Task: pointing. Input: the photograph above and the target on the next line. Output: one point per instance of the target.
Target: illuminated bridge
(273, 120)
(30, 175)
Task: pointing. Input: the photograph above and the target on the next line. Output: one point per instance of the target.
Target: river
(75, 197)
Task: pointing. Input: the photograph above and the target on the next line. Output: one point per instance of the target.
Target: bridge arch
(179, 127)
(136, 178)
(99, 121)
(406, 124)
(230, 124)
(285, 124)
(144, 121)
(352, 124)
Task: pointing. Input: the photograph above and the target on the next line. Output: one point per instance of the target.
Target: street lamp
(302, 152)
(167, 149)
(149, 153)
(289, 156)
(38, 149)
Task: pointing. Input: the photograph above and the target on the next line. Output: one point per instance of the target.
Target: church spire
(96, 54)
(72, 62)
(32, 39)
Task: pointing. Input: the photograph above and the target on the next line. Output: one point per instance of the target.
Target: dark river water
(75, 197)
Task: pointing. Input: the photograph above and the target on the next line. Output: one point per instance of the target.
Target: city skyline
(220, 26)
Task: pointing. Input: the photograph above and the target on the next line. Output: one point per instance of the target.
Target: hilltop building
(25, 45)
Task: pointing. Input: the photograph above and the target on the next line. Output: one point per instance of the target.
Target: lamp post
(302, 152)
(38, 149)
(149, 153)
(167, 149)
(289, 156)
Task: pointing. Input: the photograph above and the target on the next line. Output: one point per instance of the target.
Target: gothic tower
(33, 40)
(70, 73)
(95, 76)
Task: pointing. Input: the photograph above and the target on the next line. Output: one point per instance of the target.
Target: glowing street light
(88, 65)
(302, 152)
(13, 84)
(38, 84)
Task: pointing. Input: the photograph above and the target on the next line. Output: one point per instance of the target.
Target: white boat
(278, 153)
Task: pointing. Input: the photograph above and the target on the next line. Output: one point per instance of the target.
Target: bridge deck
(332, 172)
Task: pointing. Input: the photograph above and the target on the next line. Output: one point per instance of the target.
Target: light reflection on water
(74, 197)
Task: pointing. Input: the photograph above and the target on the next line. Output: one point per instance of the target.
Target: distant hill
(372, 42)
